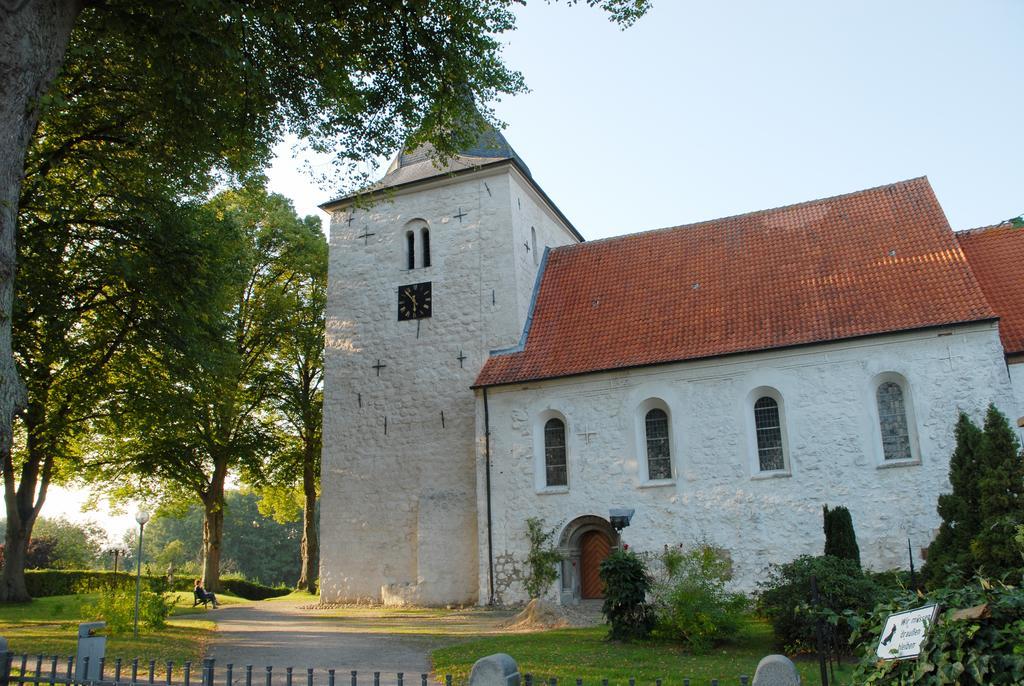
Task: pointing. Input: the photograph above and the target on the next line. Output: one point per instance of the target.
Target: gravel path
(285, 634)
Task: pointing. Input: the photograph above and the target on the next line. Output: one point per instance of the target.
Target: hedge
(251, 590)
(42, 583)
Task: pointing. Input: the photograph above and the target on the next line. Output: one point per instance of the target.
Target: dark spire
(416, 164)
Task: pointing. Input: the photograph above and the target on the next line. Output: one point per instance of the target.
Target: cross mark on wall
(949, 357)
(365, 235)
(460, 215)
(379, 367)
(487, 188)
(461, 358)
(586, 433)
(351, 218)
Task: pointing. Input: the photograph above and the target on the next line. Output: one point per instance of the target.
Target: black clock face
(414, 301)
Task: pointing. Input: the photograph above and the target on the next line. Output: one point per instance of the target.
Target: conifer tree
(949, 553)
(981, 515)
(840, 538)
(1001, 502)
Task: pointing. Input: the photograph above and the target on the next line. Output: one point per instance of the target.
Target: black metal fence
(52, 670)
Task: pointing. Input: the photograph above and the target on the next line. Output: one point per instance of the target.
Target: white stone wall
(531, 218)
(1017, 379)
(834, 450)
(398, 512)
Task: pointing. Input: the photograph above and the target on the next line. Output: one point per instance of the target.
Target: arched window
(425, 244)
(555, 470)
(768, 426)
(659, 458)
(533, 243)
(892, 418)
(410, 249)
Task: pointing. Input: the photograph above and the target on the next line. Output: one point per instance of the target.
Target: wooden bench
(198, 597)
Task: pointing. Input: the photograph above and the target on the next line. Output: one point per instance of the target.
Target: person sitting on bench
(203, 596)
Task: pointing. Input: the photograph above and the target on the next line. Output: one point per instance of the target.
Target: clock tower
(430, 270)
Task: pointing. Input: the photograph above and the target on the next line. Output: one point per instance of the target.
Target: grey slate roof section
(490, 145)
(416, 165)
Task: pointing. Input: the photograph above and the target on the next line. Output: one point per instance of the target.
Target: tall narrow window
(554, 453)
(425, 245)
(410, 249)
(892, 416)
(533, 242)
(659, 459)
(769, 435)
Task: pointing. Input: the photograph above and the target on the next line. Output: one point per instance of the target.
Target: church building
(721, 380)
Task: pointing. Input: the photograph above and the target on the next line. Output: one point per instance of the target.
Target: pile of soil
(538, 615)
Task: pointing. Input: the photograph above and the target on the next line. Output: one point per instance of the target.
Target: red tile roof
(996, 256)
(870, 262)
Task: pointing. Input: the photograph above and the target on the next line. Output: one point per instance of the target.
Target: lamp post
(141, 517)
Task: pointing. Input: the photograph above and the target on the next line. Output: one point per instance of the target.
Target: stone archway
(585, 543)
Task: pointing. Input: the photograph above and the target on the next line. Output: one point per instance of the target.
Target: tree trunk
(23, 502)
(34, 36)
(15, 550)
(213, 527)
(213, 535)
(310, 535)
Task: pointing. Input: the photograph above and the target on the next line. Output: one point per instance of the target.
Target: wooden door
(594, 548)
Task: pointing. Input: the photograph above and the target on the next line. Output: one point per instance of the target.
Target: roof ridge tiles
(752, 213)
(1005, 224)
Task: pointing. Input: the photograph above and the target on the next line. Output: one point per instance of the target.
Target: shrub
(840, 539)
(542, 561)
(785, 599)
(41, 553)
(117, 608)
(251, 590)
(626, 583)
(691, 603)
(969, 651)
(892, 583)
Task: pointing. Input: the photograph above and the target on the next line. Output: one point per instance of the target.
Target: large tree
(296, 369)
(255, 546)
(215, 83)
(107, 262)
(189, 416)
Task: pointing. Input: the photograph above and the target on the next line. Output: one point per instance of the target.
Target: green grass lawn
(294, 596)
(569, 654)
(49, 626)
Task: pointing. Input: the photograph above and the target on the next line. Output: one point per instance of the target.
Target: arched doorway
(585, 543)
(594, 549)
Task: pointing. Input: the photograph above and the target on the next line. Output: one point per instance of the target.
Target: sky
(709, 109)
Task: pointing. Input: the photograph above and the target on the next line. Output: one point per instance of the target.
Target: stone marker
(495, 670)
(776, 670)
(5, 666)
